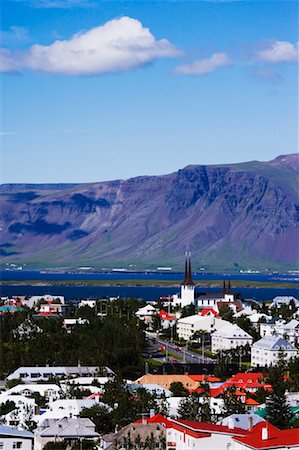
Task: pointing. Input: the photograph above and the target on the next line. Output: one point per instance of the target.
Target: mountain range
(229, 216)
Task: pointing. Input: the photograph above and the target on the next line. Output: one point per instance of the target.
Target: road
(182, 354)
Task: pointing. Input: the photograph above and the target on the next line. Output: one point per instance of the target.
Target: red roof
(209, 427)
(248, 380)
(251, 401)
(201, 378)
(278, 439)
(165, 316)
(209, 311)
(157, 418)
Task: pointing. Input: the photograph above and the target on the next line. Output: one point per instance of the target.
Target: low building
(146, 313)
(267, 351)
(229, 337)
(29, 374)
(266, 437)
(70, 324)
(188, 326)
(66, 430)
(11, 438)
(282, 300)
(167, 320)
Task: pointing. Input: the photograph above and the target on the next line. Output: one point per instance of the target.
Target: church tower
(187, 286)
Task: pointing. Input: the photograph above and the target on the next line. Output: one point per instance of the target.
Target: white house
(187, 326)
(146, 313)
(90, 303)
(186, 435)
(29, 374)
(267, 350)
(11, 438)
(229, 337)
(48, 391)
(266, 437)
(32, 301)
(281, 300)
(64, 430)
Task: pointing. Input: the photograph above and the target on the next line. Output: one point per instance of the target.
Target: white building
(267, 350)
(146, 313)
(90, 303)
(29, 374)
(48, 391)
(187, 326)
(32, 301)
(11, 438)
(230, 336)
(65, 429)
(281, 300)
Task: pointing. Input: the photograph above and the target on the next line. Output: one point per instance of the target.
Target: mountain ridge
(229, 215)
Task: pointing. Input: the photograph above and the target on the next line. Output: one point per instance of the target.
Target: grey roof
(273, 343)
(242, 420)
(8, 431)
(231, 331)
(49, 371)
(134, 429)
(67, 427)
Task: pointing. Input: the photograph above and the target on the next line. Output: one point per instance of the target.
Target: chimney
(265, 436)
(231, 423)
(250, 420)
(144, 419)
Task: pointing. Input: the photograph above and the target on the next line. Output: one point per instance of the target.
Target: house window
(1, 445)
(17, 444)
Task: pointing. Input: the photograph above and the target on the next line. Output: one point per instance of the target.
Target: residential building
(29, 374)
(64, 430)
(11, 439)
(281, 300)
(267, 350)
(146, 313)
(187, 326)
(167, 320)
(136, 433)
(166, 380)
(70, 324)
(267, 437)
(229, 337)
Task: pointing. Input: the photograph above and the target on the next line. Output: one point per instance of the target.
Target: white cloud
(205, 66)
(61, 4)
(279, 52)
(118, 45)
(8, 62)
(14, 34)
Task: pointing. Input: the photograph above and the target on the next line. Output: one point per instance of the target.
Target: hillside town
(188, 371)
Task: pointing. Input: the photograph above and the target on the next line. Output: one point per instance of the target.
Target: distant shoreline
(217, 284)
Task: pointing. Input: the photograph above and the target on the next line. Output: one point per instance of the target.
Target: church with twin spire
(187, 294)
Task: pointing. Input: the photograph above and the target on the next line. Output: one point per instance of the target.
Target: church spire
(188, 272)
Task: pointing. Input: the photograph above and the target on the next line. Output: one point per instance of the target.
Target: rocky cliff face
(231, 215)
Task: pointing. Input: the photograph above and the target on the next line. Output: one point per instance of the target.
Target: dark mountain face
(241, 215)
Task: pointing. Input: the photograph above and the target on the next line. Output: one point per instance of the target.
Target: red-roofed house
(248, 381)
(167, 320)
(265, 436)
(186, 434)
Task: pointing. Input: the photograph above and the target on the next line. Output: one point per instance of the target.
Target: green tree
(190, 407)
(278, 411)
(232, 403)
(100, 416)
(178, 389)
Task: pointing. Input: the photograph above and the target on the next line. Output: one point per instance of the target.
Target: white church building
(187, 295)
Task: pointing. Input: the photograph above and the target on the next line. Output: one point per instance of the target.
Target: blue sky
(101, 90)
